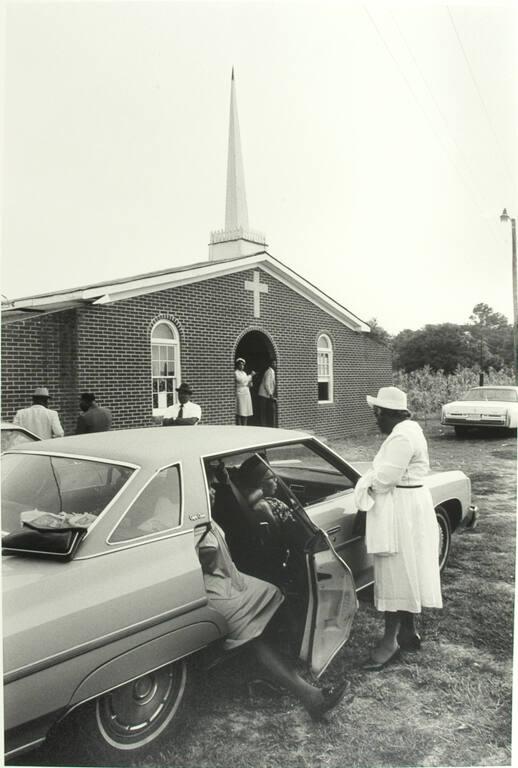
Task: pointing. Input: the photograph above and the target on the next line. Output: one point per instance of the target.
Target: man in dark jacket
(94, 418)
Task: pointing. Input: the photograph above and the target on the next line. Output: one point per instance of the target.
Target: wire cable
(475, 202)
(454, 141)
(484, 106)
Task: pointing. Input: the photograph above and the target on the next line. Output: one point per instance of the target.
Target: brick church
(133, 340)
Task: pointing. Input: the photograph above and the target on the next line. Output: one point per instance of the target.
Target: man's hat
(392, 398)
(184, 388)
(41, 392)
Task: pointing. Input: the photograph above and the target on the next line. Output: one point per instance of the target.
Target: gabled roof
(125, 288)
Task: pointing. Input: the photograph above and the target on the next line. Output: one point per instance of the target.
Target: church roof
(111, 291)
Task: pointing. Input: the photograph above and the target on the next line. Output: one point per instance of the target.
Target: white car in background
(490, 406)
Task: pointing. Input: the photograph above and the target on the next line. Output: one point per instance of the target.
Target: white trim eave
(121, 290)
(197, 275)
(297, 283)
(214, 269)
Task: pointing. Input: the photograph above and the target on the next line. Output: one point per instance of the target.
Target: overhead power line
(489, 223)
(482, 101)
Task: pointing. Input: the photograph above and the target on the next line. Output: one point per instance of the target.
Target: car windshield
(56, 492)
(501, 395)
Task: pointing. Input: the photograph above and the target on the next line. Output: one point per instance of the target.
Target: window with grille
(325, 369)
(165, 362)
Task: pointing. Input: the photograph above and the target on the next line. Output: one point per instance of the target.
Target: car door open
(332, 604)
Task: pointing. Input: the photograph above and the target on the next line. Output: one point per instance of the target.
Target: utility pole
(505, 217)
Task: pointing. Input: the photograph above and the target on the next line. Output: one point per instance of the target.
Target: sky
(379, 144)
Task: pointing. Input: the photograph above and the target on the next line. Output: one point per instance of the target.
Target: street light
(505, 217)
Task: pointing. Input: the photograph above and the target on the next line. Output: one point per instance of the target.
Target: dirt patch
(484, 483)
(505, 453)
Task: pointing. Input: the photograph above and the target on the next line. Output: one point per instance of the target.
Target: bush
(428, 390)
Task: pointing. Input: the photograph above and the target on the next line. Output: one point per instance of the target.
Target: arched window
(165, 361)
(325, 369)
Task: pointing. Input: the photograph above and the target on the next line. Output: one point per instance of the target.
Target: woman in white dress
(243, 397)
(407, 576)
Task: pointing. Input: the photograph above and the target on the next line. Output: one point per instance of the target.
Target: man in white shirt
(184, 412)
(39, 418)
(266, 397)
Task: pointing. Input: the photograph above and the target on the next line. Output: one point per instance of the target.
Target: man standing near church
(266, 397)
(39, 418)
(93, 418)
(184, 412)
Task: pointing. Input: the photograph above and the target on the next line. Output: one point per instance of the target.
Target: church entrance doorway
(257, 349)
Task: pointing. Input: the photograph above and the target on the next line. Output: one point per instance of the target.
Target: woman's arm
(395, 459)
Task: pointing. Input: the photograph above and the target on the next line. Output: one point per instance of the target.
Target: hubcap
(144, 690)
(137, 712)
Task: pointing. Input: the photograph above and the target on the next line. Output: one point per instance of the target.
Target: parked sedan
(491, 406)
(104, 602)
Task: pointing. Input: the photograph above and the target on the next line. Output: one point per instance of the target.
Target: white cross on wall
(257, 287)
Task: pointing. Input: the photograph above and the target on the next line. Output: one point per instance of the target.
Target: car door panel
(332, 604)
(106, 603)
(336, 517)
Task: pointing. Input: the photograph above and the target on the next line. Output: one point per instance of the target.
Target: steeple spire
(236, 239)
(236, 213)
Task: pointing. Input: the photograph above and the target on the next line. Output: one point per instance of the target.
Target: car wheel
(461, 431)
(129, 718)
(443, 521)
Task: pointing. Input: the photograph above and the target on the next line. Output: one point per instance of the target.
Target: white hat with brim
(392, 398)
(41, 392)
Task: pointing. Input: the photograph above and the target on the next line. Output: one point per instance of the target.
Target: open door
(332, 604)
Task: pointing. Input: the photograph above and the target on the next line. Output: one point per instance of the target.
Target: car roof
(9, 425)
(149, 446)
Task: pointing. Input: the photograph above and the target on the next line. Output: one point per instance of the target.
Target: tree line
(484, 343)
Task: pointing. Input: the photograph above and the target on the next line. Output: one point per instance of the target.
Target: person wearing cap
(243, 398)
(406, 574)
(39, 418)
(259, 485)
(93, 417)
(184, 412)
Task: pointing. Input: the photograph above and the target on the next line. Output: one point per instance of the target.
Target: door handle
(323, 576)
(334, 531)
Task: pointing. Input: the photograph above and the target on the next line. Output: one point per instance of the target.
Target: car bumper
(475, 421)
(470, 519)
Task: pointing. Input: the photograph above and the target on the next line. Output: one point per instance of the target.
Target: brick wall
(41, 352)
(106, 349)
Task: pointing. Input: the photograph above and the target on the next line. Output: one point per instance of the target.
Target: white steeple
(236, 239)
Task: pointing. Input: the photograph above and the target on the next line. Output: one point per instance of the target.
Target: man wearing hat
(39, 418)
(184, 412)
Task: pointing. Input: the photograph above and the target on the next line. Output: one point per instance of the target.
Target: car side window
(156, 509)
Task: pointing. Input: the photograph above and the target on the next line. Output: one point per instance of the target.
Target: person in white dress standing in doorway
(404, 535)
(243, 398)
